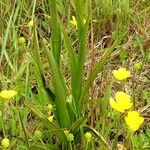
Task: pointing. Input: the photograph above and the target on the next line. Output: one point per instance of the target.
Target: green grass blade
(72, 58)
(4, 51)
(80, 64)
(55, 35)
(60, 89)
(76, 125)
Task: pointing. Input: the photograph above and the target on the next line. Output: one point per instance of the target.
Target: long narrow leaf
(72, 58)
(60, 89)
(55, 35)
(80, 65)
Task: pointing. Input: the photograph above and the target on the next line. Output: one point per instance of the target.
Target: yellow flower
(30, 23)
(66, 132)
(122, 103)
(8, 94)
(121, 73)
(73, 21)
(5, 143)
(133, 120)
(51, 118)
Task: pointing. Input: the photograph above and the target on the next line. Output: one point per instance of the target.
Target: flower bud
(88, 136)
(138, 66)
(21, 40)
(70, 137)
(49, 107)
(38, 134)
(5, 143)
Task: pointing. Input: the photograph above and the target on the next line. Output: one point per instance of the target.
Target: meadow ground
(75, 74)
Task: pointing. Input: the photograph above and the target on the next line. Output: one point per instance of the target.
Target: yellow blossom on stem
(122, 101)
(133, 120)
(73, 21)
(8, 94)
(51, 118)
(121, 74)
(5, 143)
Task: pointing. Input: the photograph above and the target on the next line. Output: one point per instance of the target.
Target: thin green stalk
(24, 130)
(70, 146)
(87, 146)
(3, 50)
(2, 117)
(132, 143)
(114, 147)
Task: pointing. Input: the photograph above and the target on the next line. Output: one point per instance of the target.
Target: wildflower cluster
(123, 102)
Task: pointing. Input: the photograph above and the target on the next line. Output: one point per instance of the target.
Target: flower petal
(115, 105)
(8, 94)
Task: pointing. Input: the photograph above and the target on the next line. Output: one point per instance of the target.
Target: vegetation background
(62, 72)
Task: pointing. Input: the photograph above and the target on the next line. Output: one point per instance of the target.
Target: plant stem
(26, 138)
(116, 135)
(87, 145)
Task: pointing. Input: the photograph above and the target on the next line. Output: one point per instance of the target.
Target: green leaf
(80, 65)
(59, 88)
(75, 127)
(55, 35)
(72, 58)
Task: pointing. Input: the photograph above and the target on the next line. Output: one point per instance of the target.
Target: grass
(70, 67)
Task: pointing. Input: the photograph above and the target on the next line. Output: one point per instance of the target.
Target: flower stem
(116, 135)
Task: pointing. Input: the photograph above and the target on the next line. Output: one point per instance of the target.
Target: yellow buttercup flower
(73, 21)
(121, 74)
(122, 103)
(8, 94)
(5, 143)
(133, 120)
